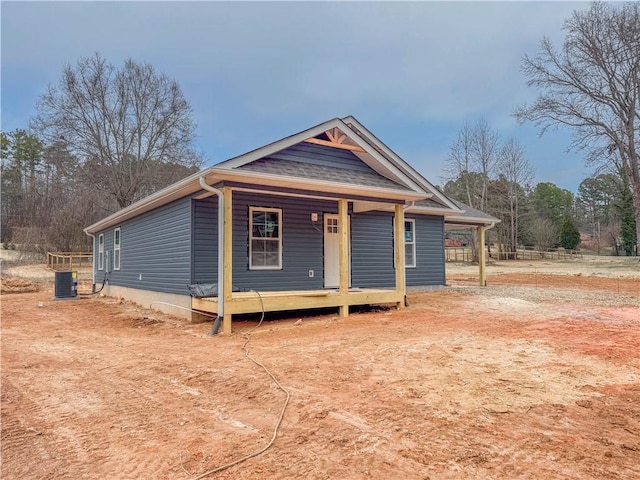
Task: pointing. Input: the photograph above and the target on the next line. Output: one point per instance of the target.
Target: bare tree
(544, 234)
(471, 163)
(460, 164)
(472, 157)
(592, 85)
(518, 173)
(121, 124)
(485, 149)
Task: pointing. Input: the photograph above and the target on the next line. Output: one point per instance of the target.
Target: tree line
(104, 137)
(495, 176)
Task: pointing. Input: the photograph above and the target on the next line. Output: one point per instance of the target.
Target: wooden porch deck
(254, 302)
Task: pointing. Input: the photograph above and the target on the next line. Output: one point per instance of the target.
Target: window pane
(257, 253)
(271, 259)
(272, 217)
(408, 257)
(272, 230)
(408, 231)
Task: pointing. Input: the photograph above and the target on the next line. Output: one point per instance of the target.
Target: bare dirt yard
(536, 376)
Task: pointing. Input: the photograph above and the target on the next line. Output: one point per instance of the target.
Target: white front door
(332, 252)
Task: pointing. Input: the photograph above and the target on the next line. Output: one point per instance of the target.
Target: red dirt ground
(533, 377)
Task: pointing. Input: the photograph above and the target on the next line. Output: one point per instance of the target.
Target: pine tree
(569, 234)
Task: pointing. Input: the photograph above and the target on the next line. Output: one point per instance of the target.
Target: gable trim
(379, 163)
(400, 163)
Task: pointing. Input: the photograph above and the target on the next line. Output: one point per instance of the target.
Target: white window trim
(411, 244)
(117, 247)
(101, 251)
(251, 238)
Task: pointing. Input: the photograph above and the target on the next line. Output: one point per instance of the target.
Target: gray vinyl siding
(372, 250)
(156, 246)
(205, 240)
(429, 237)
(372, 260)
(302, 244)
(324, 156)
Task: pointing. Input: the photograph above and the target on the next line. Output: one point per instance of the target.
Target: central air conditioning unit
(66, 285)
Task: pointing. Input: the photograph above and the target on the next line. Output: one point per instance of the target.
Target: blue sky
(254, 72)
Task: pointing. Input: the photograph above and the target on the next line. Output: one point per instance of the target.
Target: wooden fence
(559, 254)
(465, 254)
(458, 254)
(69, 260)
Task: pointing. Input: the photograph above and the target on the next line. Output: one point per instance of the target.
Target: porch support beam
(482, 257)
(343, 229)
(398, 242)
(227, 265)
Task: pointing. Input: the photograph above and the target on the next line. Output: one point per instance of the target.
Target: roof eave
(191, 185)
(325, 186)
(174, 191)
(472, 221)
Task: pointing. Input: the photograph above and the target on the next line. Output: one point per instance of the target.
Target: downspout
(206, 186)
(493, 224)
(404, 287)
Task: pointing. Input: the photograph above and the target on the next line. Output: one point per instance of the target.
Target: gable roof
(363, 150)
(384, 174)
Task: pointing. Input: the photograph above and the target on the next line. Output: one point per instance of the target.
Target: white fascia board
(447, 212)
(409, 170)
(475, 221)
(325, 186)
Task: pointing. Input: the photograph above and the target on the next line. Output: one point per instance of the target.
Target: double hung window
(409, 243)
(101, 251)
(116, 249)
(265, 238)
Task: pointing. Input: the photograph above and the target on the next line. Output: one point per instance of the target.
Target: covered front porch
(274, 301)
(229, 303)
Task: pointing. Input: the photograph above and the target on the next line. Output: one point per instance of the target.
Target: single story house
(328, 217)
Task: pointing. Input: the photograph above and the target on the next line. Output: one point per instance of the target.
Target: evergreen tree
(627, 221)
(569, 234)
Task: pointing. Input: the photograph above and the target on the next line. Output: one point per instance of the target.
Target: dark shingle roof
(430, 203)
(291, 168)
(472, 212)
